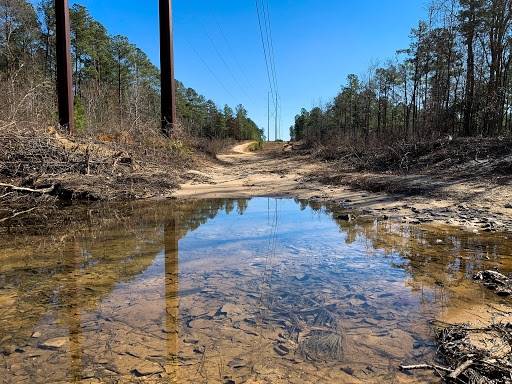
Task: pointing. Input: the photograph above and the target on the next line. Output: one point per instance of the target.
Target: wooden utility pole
(168, 85)
(276, 119)
(268, 116)
(64, 71)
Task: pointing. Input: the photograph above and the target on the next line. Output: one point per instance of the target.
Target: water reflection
(226, 291)
(171, 295)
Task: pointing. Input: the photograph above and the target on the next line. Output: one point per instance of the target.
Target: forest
(453, 80)
(116, 86)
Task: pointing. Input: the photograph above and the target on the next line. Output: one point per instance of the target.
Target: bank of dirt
(481, 203)
(41, 168)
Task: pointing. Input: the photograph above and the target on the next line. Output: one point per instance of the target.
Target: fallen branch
(460, 369)
(30, 190)
(424, 366)
(16, 215)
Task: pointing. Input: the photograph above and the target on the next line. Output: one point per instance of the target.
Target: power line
(231, 72)
(234, 56)
(270, 43)
(231, 51)
(264, 50)
(210, 69)
(269, 53)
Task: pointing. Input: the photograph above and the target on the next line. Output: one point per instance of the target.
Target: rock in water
(281, 349)
(147, 368)
(54, 344)
(229, 309)
(489, 276)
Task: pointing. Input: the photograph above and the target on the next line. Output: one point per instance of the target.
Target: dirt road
(241, 173)
(279, 172)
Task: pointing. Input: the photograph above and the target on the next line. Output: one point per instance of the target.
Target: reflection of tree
(437, 256)
(242, 205)
(103, 246)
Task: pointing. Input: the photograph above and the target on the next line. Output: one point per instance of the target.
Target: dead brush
(485, 353)
(472, 355)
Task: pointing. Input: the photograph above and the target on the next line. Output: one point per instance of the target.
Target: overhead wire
(210, 69)
(270, 43)
(228, 67)
(270, 62)
(231, 54)
(269, 76)
(241, 68)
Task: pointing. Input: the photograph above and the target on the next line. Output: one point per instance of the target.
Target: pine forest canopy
(115, 83)
(453, 79)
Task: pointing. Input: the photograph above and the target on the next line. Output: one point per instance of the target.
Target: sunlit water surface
(223, 291)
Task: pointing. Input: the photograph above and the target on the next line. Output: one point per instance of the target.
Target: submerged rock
(200, 324)
(147, 368)
(54, 344)
(281, 349)
(229, 309)
(236, 363)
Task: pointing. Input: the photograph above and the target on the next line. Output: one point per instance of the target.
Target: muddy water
(222, 291)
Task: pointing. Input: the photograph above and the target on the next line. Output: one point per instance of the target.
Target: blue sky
(317, 44)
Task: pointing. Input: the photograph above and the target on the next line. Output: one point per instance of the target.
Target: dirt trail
(241, 173)
(278, 172)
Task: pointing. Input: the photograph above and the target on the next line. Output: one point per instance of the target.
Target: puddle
(234, 291)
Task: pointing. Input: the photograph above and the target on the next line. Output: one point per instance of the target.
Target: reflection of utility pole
(168, 85)
(171, 295)
(73, 316)
(64, 72)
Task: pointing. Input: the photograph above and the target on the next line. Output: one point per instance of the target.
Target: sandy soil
(279, 171)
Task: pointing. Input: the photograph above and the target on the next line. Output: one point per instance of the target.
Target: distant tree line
(455, 78)
(116, 87)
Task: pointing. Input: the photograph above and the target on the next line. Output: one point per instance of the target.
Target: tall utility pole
(276, 118)
(268, 116)
(168, 85)
(64, 71)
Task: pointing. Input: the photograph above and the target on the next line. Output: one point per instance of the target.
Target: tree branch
(30, 190)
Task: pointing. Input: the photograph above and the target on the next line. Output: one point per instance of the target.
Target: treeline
(453, 79)
(116, 87)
